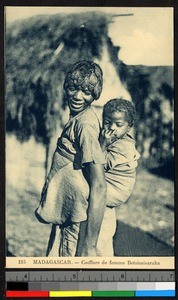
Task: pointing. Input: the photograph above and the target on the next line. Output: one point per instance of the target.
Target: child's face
(117, 124)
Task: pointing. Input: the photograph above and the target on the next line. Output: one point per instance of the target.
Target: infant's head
(118, 116)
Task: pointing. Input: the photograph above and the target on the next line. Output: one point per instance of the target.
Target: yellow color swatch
(70, 294)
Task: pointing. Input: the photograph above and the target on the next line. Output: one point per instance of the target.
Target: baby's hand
(107, 137)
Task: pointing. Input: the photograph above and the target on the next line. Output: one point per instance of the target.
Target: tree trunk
(46, 164)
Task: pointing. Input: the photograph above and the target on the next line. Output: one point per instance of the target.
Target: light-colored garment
(63, 240)
(120, 172)
(120, 176)
(65, 193)
(107, 231)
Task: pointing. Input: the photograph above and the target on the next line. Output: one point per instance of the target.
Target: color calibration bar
(104, 289)
(48, 294)
(83, 283)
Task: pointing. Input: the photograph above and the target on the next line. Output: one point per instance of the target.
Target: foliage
(38, 53)
(152, 91)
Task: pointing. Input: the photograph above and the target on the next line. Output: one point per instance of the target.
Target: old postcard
(58, 62)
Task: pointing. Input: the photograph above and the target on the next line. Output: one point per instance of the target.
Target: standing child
(121, 156)
(75, 187)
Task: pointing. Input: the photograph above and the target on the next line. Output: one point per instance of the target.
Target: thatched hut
(38, 53)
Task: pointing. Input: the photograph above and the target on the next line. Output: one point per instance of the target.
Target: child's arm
(106, 138)
(96, 208)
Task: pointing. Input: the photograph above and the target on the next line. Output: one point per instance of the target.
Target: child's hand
(107, 137)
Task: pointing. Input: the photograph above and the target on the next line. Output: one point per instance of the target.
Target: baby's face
(117, 124)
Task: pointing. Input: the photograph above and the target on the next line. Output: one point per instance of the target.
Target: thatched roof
(38, 53)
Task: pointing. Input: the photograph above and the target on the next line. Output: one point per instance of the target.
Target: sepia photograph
(89, 108)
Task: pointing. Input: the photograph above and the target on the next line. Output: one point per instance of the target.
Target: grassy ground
(150, 208)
